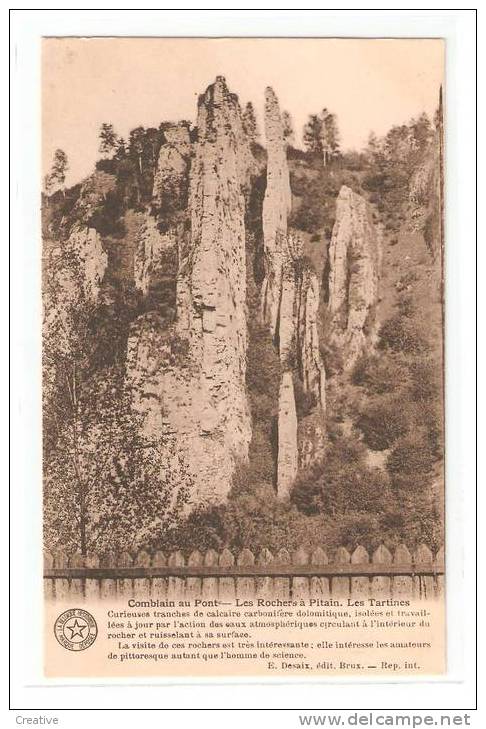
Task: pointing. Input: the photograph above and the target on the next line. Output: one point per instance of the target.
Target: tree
(57, 176)
(121, 149)
(108, 140)
(250, 123)
(373, 146)
(312, 135)
(324, 143)
(106, 484)
(288, 129)
(135, 146)
(321, 135)
(331, 135)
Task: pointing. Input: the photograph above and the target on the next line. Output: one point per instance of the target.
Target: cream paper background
(457, 28)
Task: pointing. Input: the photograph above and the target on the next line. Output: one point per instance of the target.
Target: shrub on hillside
(341, 482)
(107, 219)
(410, 455)
(425, 380)
(382, 422)
(401, 335)
(378, 374)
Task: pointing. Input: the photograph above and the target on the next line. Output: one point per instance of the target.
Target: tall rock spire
(191, 383)
(290, 302)
(277, 204)
(354, 266)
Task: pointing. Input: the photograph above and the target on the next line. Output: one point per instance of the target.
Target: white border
(457, 27)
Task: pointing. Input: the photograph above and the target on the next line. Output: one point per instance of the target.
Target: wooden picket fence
(225, 576)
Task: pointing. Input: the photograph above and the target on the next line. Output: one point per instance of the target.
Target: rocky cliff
(290, 303)
(187, 355)
(152, 250)
(171, 176)
(354, 267)
(75, 271)
(277, 204)
(225, 278)
(191, 380)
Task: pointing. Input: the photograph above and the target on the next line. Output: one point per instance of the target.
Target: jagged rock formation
(277, 204)
(151, 253)
(170, 180)
(297, 319)
(419, 186)
(80, 263)
(73, 275)
(354, 266)
(94, 190)
(191, 379)
(216, 267)
(311, 366)
(290, 302)
(158, 240)
(426, 192)
(287, 464)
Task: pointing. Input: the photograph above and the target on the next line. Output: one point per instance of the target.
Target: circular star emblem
(75, 629)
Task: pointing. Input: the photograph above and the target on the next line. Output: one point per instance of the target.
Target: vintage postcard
(243, 467)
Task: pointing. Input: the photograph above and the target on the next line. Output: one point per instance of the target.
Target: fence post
(245, 586)
(193, 584)
(424, 584)
(175, 586)
(141, 585)
(227, 589)
(61, 583)
(92, 586)
(124, 587)
(76, 589)
(340, 585)
(402, 584)
(264, 585)
(440, 564)
(159, 584)
(108, 586)
(381, 584)
(209, 585)
(49, 593)
(300, 585)
(281, 585)
(360, 585)
(319, 586)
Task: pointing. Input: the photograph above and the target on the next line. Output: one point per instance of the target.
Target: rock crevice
(354, 266)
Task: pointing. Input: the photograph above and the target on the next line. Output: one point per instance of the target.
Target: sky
(371, 84)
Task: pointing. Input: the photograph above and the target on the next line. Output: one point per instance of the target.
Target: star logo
(76, 629)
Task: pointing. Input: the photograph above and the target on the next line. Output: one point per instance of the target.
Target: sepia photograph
(243, 333)
(243, 367)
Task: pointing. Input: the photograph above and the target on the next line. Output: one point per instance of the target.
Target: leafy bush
(401, 335)
(411, 455)
(107, 219)
(378, 374)
(341, 482)
(382, 422)
(425, 380)
(107, 165)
